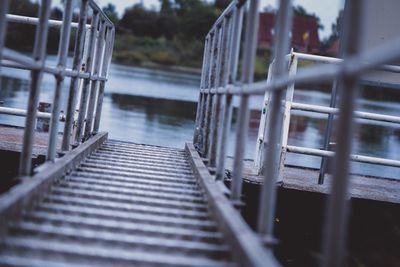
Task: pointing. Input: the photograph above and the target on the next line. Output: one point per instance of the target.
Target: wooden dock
(11, 140)
(305, 179)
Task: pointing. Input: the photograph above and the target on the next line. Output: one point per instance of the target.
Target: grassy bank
(175, 54)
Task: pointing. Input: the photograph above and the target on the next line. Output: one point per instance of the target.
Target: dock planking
(11, 138)
(306, 179)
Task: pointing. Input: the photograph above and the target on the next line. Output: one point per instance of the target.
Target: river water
(158, 107)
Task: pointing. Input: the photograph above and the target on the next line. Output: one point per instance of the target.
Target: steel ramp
(124, 205)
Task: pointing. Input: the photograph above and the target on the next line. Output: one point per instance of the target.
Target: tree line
(186, 19)
(173, 34)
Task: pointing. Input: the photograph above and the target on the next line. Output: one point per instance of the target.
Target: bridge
(102, 202)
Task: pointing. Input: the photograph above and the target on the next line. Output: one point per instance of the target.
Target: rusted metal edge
(25, 195)
(247, 246)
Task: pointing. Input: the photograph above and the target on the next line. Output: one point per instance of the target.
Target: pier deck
(305, 179)
(11, 140)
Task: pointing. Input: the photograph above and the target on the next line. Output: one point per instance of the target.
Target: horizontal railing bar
(54, 70)
(309, 75)
(227, 12)
(331, 154)
(317, 58)
(355, 65)
(23, 112)
(53, 23)
(358, 114)
(95, 7)
(35, 21)
(333, 60)
(22, 59)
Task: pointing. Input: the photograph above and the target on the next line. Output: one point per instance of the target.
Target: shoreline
(152, 65)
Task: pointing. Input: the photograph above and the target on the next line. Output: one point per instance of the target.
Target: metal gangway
(101, 202)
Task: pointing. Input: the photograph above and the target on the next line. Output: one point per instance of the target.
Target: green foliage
(111, 12)
(140, 21)
(16, 40)
(164, 57)
(222, 4)
(129, 57)
(261, 65)
(189, 19)
(173, 35)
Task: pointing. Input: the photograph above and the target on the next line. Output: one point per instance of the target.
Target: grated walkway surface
(125, 205)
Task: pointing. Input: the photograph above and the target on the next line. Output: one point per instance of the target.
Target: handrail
(358, 114)
(290, 105)
(215, 105)
(316, 73)
(34, 21)
(100, 33)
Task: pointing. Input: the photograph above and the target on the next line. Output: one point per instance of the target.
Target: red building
(304, 33)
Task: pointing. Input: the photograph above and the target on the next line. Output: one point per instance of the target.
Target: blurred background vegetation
(171, 36)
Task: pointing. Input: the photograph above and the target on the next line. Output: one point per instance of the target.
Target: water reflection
(158, 107)
(175, 110)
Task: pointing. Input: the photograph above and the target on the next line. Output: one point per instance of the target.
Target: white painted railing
(289, 106)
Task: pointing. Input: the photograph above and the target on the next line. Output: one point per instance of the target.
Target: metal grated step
(98, 253)
(138, 159)
(132, 240)
(141, 207)
(125, 205)
(136, 180)
(158, 153)
(124, 227)
(124, 191)
(187, 179)
(148, 157)
(157, 172)
(120, 184)
(143, 165)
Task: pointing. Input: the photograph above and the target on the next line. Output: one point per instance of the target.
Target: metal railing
(219, 84)
(289, 106)
(92, 49)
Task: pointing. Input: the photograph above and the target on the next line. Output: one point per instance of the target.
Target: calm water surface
(158, 107)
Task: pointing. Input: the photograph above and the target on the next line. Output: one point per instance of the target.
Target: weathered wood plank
(11, 140)
(304, 179)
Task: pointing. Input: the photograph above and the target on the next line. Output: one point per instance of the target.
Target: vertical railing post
(62, 59)
(332, 104)
(258, 157)
(338, 202)
(104, 74)
(275, 117)
(249, 53)
(85, 88)
(328, 134)
(286, 115)
(76, 65)
(39, 54)
(232, 58)
(210, 96)
(3, 27)
(206, 85)
(201, 95)
(94, 85)
(216, 118)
